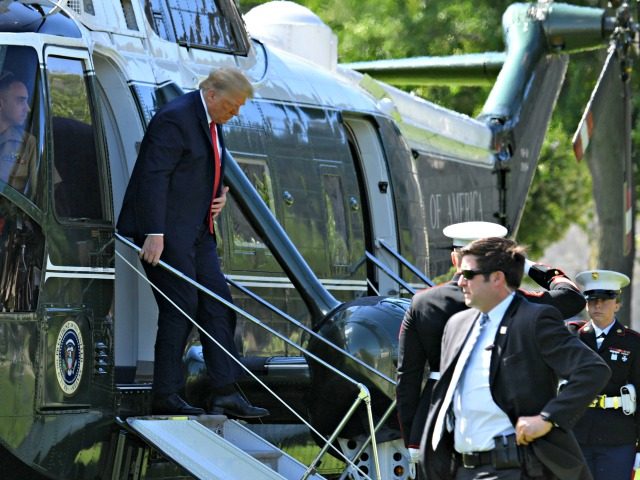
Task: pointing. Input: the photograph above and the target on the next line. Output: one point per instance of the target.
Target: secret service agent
(424, 322)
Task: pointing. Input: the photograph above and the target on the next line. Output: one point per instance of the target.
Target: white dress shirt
(597, 330)
(477, 417)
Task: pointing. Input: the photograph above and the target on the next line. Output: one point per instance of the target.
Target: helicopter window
(129, 14)
(157, 19)
(212, 25)
(19, 127)
(88, 7)
(337, 230)
(21, 253)
(77, 185)
(244, 236)
(151, 97)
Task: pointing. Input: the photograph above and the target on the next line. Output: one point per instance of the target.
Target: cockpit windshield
(19, 132)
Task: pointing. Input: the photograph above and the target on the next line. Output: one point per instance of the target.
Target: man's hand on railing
(152, 249)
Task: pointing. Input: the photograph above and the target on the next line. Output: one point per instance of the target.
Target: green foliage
(559, 196)
(69, 97)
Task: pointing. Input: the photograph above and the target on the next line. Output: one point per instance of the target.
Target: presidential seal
(69, 357)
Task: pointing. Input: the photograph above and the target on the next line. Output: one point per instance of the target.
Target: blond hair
(228, 80)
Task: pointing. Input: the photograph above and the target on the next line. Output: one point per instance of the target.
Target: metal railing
(405, 262)
(363, 392)
(390, 273)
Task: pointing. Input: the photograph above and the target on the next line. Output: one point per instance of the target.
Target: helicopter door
(135, 308)
(79, 270)
(378, 212)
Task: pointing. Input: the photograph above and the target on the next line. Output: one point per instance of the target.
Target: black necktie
(600, 339)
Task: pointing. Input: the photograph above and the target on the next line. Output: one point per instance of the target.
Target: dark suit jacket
(419, 345)
(421, 334)
(532, 350)
(170, 189)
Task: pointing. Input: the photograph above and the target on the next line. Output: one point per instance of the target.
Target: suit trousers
(200, 262)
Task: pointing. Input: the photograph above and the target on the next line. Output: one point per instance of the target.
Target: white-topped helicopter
(340, 188)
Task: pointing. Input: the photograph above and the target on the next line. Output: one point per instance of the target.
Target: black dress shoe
(235, 405)
(173, 405)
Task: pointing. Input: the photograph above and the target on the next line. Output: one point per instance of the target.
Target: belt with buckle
(476, 459)
(602, 401)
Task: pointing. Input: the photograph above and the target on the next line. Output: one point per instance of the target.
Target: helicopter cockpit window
(76, 178)
(208, 24)
(19, 127)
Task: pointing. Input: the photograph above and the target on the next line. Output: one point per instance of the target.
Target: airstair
(212, 447)
(215, 447)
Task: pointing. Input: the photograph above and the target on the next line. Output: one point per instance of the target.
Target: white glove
(527, 265)
(414, 458)
(636, 464)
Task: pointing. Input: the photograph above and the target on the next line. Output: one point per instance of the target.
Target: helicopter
(340, 187)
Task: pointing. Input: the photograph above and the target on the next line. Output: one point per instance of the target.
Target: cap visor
(604, 294)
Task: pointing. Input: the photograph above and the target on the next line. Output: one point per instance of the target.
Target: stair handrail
(390, 273)
(371, 438)
(363, 392)
(308, 330)
(405, 262)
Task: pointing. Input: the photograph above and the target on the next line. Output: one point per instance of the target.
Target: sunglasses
(469, 274)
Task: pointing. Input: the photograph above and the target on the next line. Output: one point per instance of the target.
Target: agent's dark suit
(170, 192)
(421, 335)
(531, 351)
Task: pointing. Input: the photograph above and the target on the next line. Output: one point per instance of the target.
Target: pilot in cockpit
(18, 148)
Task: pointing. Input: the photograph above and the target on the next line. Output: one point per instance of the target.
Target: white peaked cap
(465, 232)
(596, 283)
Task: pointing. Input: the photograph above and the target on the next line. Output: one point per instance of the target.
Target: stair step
(200, 451)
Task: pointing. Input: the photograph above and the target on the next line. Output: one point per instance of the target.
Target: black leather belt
(477, 459)
(506, 454)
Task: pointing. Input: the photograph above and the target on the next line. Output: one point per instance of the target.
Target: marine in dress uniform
(424, 322)
(608, 432)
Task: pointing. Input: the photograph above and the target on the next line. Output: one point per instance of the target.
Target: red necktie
(216, 171)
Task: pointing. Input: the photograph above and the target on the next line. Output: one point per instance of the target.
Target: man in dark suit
(172, 199)
(609, 431)
(423, 324)
(495, 412)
